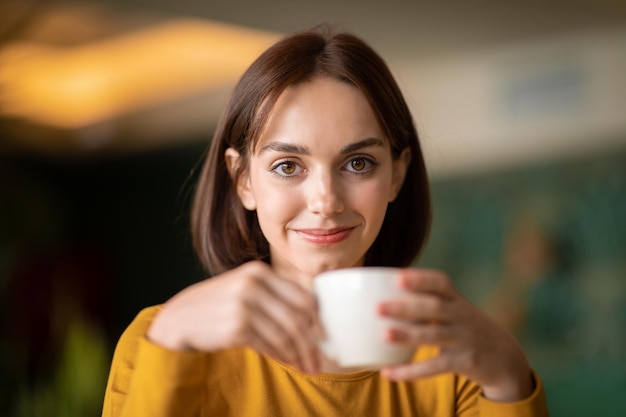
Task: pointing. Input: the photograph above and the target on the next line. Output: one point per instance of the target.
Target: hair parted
(225, 234)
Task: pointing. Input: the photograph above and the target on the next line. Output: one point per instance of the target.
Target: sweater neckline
(355, 375)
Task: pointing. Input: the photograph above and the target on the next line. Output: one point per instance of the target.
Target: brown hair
(225, 234)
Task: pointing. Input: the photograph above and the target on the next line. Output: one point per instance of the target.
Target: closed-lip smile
(325, 236)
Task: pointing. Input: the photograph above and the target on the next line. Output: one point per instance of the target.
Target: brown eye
(288, 168)
(358, 164)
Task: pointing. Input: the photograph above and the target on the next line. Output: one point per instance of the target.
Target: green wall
(543, 249)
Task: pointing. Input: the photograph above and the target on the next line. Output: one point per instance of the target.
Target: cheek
(371, 200)
(275, 204)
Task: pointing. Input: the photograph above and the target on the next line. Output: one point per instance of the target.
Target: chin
(303, 266)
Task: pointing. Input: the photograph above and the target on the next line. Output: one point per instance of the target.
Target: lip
(325, 236)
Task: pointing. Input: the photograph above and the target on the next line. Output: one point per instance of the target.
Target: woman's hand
(247, 306)
(470, 343)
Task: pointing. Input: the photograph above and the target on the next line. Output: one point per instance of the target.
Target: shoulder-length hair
(225, 234)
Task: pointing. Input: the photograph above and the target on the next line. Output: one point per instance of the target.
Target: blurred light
(79, 86)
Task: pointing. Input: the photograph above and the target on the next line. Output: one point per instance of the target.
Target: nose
(324, 195)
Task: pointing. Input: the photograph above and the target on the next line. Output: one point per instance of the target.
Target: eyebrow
(303, 150)
(365, 143)
(285, 148)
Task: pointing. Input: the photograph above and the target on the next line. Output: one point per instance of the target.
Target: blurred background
(107, 107)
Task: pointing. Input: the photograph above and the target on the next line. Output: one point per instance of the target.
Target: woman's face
(320, 178)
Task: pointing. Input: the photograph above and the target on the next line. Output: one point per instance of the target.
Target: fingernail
(402, 281)
(387, 373)
(395, 335)
(388, 335)
(383, 309)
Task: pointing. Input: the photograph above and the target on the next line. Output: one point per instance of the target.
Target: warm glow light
(79, 86)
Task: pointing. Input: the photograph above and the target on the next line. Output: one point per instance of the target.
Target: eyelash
(371, 165)
(369, 168)
(274, 169)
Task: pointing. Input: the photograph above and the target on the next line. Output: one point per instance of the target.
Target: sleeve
(149, 380)
(470, 402)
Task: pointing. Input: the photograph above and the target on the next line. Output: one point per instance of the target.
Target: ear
(399, 170)
(242, 181)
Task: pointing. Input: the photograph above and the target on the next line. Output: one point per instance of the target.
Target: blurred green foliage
(76, 385)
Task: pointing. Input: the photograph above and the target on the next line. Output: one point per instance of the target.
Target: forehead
(319, 111)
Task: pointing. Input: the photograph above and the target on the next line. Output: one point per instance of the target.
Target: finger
(300, 330)
(319, 332)
(416, 308)
(292, 293)
(276, 342)
(296, 311)
(429, 367)
(291, 328)
(421, 334)
(426, 280)
(257, 342)
(292, 309)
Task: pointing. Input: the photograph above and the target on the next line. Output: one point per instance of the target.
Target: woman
(315, 165)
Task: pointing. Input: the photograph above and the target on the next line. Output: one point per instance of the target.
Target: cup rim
(352, 273)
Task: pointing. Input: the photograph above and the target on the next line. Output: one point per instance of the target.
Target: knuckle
(254, 270)
(249, 284)
(255, 266)
(471, 360)
(437, 307)
(445, 280)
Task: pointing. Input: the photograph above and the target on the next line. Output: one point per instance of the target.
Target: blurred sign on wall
(521, 102)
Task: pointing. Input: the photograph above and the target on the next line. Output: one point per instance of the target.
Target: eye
(360, 165)
(286, 169)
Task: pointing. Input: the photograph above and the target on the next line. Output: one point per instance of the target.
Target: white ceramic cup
(348, 300)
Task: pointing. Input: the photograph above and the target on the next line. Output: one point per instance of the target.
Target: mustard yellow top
(147, 380)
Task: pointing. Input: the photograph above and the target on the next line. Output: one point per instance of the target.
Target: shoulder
(128, 343)
(142, 320)
(124, 357)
